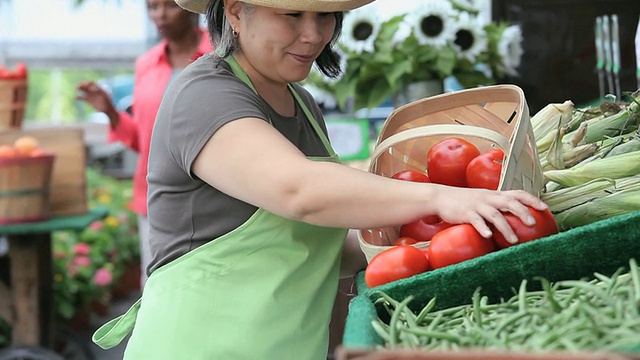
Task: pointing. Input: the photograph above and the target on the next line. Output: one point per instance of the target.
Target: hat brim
(200, 6)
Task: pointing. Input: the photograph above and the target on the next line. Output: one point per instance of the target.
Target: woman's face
(170, 19)
(281, 45)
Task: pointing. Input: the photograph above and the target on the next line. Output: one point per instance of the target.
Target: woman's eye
(294, 14)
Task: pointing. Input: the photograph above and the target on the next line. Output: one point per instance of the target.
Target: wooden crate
(68, 189)
(13, 100)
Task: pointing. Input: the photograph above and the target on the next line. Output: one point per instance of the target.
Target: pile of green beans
(573, 315)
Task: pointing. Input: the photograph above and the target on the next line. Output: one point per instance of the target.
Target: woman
(249, 209)
(182, 42)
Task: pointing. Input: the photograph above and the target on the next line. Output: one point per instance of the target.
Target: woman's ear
(232, 9)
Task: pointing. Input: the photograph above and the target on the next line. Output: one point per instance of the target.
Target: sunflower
(433, 23)
(360, 30)
(471, 39)
(510, 49)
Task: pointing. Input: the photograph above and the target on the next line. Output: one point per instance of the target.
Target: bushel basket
(13, 100)
(24, 188)
(488, 117)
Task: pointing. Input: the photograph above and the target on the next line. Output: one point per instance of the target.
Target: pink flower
(81, 249)
(72, 269)
(82, 260)
(102, 277)
(96, 225)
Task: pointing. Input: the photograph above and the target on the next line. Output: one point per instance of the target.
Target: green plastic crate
(601, 247)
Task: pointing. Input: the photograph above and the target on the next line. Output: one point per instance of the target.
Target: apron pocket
(113, 332)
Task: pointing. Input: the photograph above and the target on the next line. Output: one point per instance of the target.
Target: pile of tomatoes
(19, 71)
(454, 162)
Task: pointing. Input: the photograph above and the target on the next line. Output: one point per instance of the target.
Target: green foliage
(106, 246)
(398, 52)
(52, 94)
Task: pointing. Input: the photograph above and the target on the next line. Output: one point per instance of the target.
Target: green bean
(635, 277)
(602, 313)
(440, 335)
(381, 329)
(395, 318)
(426, 310)
(434, 322)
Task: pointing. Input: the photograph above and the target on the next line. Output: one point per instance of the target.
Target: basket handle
(439, 129)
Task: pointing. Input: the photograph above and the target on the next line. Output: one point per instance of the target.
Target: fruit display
(19, 71)
(23, 147)
(590, 157)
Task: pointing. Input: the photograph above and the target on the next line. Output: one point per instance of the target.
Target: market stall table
(26, 302)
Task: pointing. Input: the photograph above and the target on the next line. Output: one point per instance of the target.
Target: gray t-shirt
(184, 211)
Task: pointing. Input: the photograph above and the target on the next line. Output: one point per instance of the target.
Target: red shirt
(152, 75)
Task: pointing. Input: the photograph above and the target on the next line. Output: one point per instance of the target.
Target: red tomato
(485, 169)
(20, 71)
(5, 73)
(545, 225)
(448, 159)
(395, 263)
(424, 229)
(425, 251)
(411, 175)
(404, 240)
(456, 244)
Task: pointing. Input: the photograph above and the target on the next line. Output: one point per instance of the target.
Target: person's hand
(95, 96)
(479, 207)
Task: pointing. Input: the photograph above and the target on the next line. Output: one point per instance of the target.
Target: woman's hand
(95, 96)
(479, 207)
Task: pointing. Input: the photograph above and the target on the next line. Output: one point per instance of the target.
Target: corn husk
(615, 167)
(551, 117)
(569, 197)
(617, 203)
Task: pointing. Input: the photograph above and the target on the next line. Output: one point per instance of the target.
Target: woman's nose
(311, 31)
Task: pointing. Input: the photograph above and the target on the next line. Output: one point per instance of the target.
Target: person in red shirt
(182, 42)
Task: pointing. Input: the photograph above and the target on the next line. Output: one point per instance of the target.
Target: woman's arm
(250, 160)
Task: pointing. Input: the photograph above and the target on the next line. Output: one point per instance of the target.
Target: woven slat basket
(13, 100)
(489, 117)
(24, 188)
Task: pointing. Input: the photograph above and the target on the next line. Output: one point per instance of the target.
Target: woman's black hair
(226, 43)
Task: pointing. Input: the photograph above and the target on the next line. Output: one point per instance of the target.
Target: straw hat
(200, 6)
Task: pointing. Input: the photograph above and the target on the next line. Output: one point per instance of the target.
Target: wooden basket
(489, 117)
(13, 100)
(24, 188)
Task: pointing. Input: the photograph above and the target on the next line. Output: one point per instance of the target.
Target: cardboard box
(68, 189)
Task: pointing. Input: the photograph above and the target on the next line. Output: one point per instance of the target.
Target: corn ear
(562, 155)
(622, 122)
(625, 146)
(569, 197)
(571, 157)
(551, 117)
(618, 203)
(615, 167)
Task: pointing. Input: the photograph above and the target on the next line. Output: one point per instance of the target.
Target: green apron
(264, 291)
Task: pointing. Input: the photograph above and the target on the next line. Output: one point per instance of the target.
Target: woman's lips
(303, 58)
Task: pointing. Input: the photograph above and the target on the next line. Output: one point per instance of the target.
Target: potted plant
(383, 57)
(90, 265)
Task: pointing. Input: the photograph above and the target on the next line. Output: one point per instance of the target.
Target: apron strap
(113, 332)
(242, 75)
